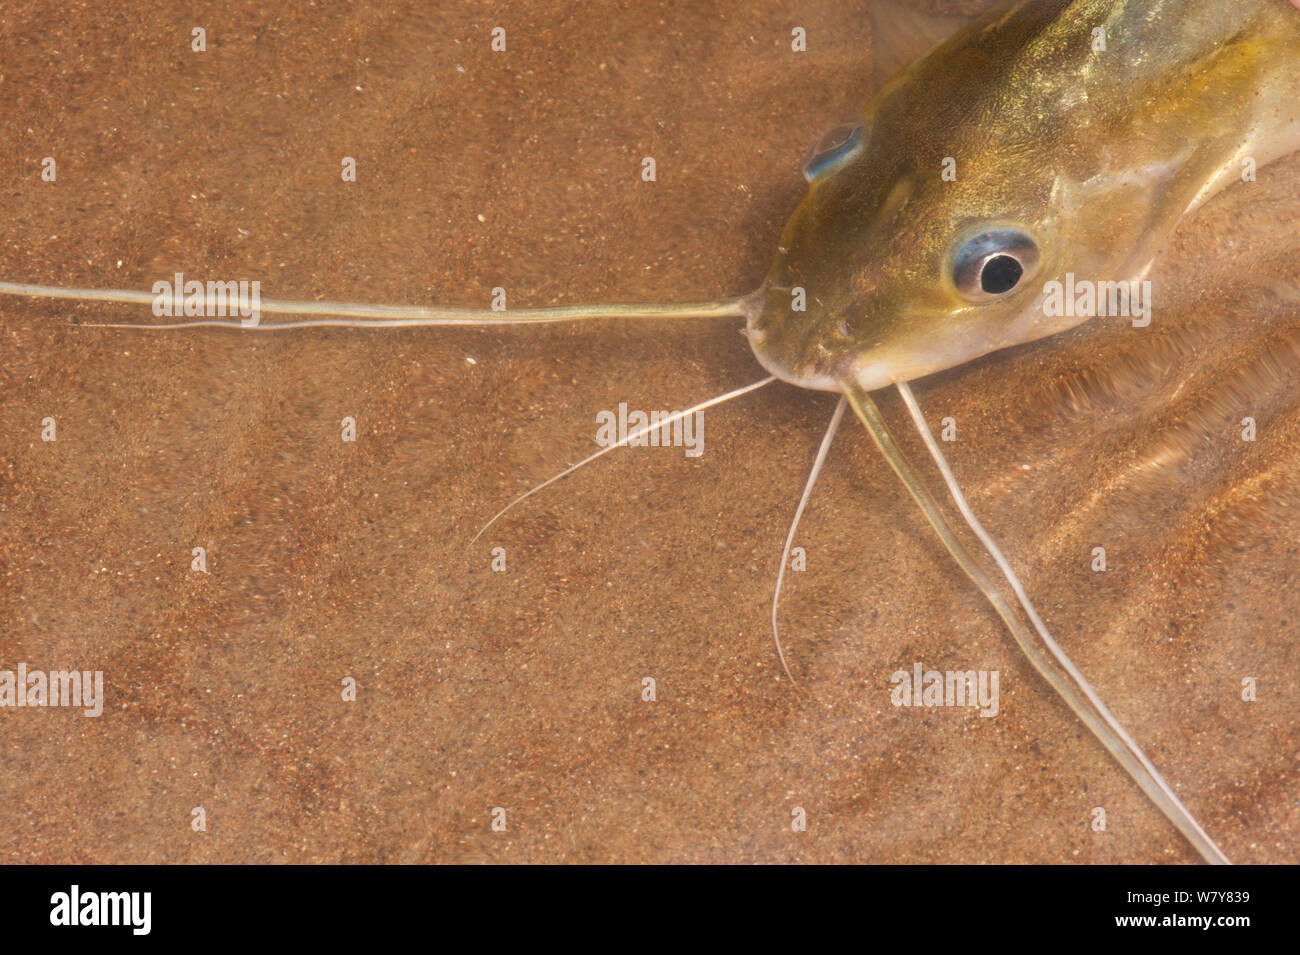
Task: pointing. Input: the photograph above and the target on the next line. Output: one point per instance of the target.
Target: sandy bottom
(522, 690)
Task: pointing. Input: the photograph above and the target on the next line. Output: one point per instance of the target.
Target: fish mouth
(864, 368)
(786, 345)
(815, 375)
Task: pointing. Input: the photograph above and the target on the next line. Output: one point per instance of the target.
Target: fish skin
(1096, 155)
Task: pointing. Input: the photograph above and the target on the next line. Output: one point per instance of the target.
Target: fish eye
(833, 150)
(991, 264)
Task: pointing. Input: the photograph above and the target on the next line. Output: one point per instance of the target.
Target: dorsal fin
(902, 30)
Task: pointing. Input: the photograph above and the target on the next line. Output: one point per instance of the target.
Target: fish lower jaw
(830, 373)
(810, 380)
(813, 382)
(870, 376)
(873, 377)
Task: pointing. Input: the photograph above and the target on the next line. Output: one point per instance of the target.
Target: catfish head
(1048, 137)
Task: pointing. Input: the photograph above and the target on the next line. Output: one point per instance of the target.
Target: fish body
(1073, 134)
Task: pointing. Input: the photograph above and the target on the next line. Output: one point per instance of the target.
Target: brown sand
(522, 690)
